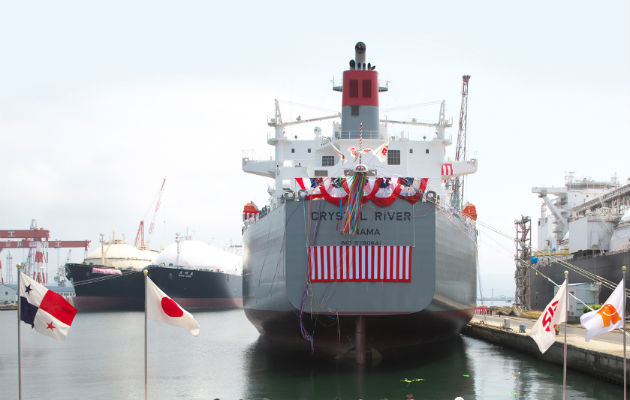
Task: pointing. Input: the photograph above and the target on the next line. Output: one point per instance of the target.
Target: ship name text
(378, 216)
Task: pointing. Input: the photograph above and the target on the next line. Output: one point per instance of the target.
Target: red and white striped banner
(447, 170)
(360, 263)
(248, 215)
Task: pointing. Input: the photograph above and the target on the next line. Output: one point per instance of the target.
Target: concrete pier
(601, 357)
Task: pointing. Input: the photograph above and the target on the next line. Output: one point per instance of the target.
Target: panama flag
(46, 311)
(543, 332)
(160, 307)
(607, 318)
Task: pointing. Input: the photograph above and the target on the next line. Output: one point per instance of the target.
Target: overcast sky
(100, 102)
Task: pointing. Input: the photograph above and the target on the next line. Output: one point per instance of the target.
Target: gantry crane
(36, 240)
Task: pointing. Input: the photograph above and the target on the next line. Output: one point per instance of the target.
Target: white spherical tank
(194, 254)
(119, 254)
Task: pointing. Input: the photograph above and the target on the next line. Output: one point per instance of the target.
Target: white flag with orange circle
(607, 318)
(160, 307)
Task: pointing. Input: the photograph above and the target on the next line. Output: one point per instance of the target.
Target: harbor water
(103, 358)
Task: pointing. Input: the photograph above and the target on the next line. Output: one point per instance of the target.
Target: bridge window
(328, 161)
(427, 151)
(354, 88)
(367, 88)
(393, 157)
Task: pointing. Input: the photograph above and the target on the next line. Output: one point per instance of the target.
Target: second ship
(196, 275)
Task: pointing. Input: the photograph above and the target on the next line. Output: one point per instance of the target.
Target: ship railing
(371, 134)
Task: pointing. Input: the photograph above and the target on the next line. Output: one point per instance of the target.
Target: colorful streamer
(351, 214)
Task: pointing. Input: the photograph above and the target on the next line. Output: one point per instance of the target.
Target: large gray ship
(584, 228)
(363, 248)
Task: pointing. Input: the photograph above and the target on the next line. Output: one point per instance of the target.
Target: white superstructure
(331, 156)
(584, 215)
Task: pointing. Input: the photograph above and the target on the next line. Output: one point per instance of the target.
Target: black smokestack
(359, 53)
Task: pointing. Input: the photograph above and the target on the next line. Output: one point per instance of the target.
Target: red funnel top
(360, 88)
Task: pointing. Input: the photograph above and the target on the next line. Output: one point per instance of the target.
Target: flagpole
(566, 319)
(19, 312)
(623, 317)
(145, 332)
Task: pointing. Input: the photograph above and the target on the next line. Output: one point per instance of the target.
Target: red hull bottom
(209, 304)
(107, 303)
(112, 303)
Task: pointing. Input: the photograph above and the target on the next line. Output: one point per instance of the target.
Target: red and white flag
(46, 311)
(543, 332)
(341, 155)
(160, 307)
(381, 151)
(607, 318)
(447, 170)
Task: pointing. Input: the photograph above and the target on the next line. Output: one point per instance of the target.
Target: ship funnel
(359, 54)
(359, 112)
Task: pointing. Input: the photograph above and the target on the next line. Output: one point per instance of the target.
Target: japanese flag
(543, 332)
(160, 307)
(607, 318)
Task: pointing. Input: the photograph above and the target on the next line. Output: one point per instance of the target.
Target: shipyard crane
(457, 199)
(140, 241)
(36, 263)
(37, 241)
(50, 244)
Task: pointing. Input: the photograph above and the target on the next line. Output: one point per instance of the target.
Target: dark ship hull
(607, 266)
(199, 289)
(100, 288)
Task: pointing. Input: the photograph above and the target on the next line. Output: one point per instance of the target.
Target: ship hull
(199, 289)
(97, 290)
(285, 306)
(608, 266)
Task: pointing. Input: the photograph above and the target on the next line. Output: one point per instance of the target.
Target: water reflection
(103, 359)
(463, 367)
(507, 374)
(441, 370)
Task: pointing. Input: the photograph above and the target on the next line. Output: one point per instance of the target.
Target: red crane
(24, 234)
(51, 244)
(139, 242)
(36, 240)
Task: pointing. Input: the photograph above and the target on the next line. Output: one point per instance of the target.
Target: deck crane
(457, 199)
(140, 241)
